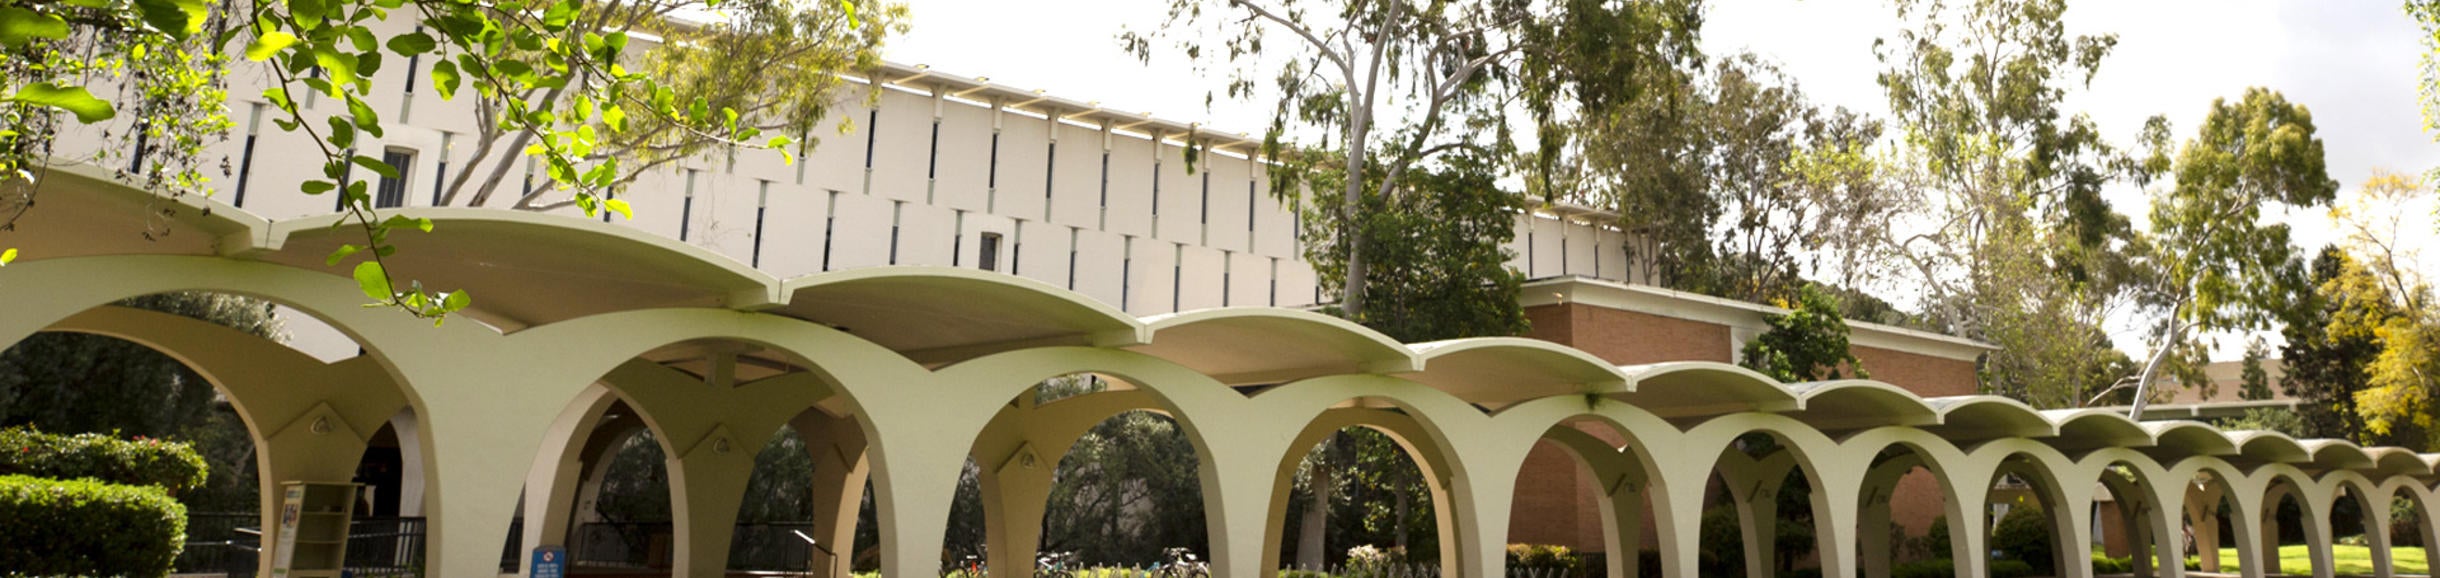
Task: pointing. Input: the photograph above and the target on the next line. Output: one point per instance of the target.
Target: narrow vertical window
(1050, 174)
(932, 169)
(1249, 210)
(347, 174)
(830, 228)
(1177, 277)
(1227, 271)
(987, 251)
(897, 210)
(1126, 272)
(391, 192)
(441, 171)
(992, 179)
(245, 162)
(1206, 208)
(872, 131)
(957, 240)
(686, 208)
(762, 208)
(1072, 258)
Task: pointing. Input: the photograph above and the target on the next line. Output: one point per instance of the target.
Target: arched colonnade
(900, 375)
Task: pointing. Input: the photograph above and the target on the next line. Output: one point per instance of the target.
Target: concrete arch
(2372, 501)
(1190, 398)
(1412, 437)
(2278, 481)
(2201, 502)
(1985, 463)
(2148, 504)
(1930, 452)
(1698, 453)
(279, 394)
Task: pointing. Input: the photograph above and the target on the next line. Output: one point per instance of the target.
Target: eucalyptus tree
(2010, 240)
(554, 73)
(2218, 265)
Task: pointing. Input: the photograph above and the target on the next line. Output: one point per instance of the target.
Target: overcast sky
(2352, 62)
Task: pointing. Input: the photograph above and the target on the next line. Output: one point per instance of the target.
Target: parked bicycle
(1056, 565)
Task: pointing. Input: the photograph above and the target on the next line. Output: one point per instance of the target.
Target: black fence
(229, 544)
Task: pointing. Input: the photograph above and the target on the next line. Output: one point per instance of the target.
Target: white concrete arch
(1412, 436)
(2201, 503)
(1244, 346)
(2148, 502)
(1934, 454)
(1985, 463)
(2278, 481)
(1972, 418)
(1694, 455)
(1701, 388)
(1860, 403)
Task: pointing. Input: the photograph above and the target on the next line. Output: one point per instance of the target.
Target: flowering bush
(171, 466)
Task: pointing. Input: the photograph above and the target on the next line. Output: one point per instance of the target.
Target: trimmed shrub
(87, 528)
(2012, 569)
(2103, 564)
(1543, 556)
(171, 466)
(1935, 568)
(2024, 536)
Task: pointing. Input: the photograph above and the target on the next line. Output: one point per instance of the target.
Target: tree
(2007, 236)
(1808, 343)
(2324, 360)
(778, 64)
(2257, 382)
(552, 72)
(1441, 270)
(1353, 69)
(2218, 266)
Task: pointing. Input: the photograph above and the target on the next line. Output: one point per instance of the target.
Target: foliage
(2023, 535)
(1544, 556)
(2264, 419)
(2256, 381)
(1349, 70)
(87, 528)
(1722, 549)
(1808, 343)
(2008, 237)
(1439, 266)
(1933, 568)
(171, 466)
(2324, 368)
(781, 487)
(635, 488)
(2217, 265)
(1126, 490)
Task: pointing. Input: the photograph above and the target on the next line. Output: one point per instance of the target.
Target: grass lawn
(2351, 560)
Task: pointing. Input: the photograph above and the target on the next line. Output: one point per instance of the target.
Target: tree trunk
(1400, 528)
(2151, 369)
(1311, 534)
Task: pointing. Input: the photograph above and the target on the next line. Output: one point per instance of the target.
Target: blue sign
(550, 562)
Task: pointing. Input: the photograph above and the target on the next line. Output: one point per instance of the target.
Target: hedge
(87, 528)
(172, 466)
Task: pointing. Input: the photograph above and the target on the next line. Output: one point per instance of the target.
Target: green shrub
(1934, 568)
(87, 528)
(1543, 556)
(1722, 551)
(2012, 569)
(172, 466)
(1302, 574)
(2024, 536)
(2103, 564)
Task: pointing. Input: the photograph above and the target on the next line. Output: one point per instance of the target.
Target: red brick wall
(1628, 337)
(1925, 375)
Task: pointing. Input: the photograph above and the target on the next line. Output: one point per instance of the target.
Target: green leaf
(178, 18)
(615, 117)
(620, 206)
(268, 44)
(308, 13)
(73, 99)
(373, 281)
(850, 7)
(445, 78)
(456, 301)
(364, 117)
(317, 187)
(19, 26)
(340, 67)
(7, 255)
(412, 43)
(341, 253)
(375, 165)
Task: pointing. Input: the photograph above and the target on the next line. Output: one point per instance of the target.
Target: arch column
(2202, 510)
(1622, 483)
(836, 445)
(1875, 526)
(2375, 511)
(1018, 454)
(1752, 485)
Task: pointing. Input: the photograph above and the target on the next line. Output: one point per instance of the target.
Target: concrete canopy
(902, 373)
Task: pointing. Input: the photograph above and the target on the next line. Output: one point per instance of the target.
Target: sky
(2352, 63)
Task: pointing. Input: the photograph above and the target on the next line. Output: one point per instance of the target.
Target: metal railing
(229, 544)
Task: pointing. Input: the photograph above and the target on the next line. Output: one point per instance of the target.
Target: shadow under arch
(2038, 468)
